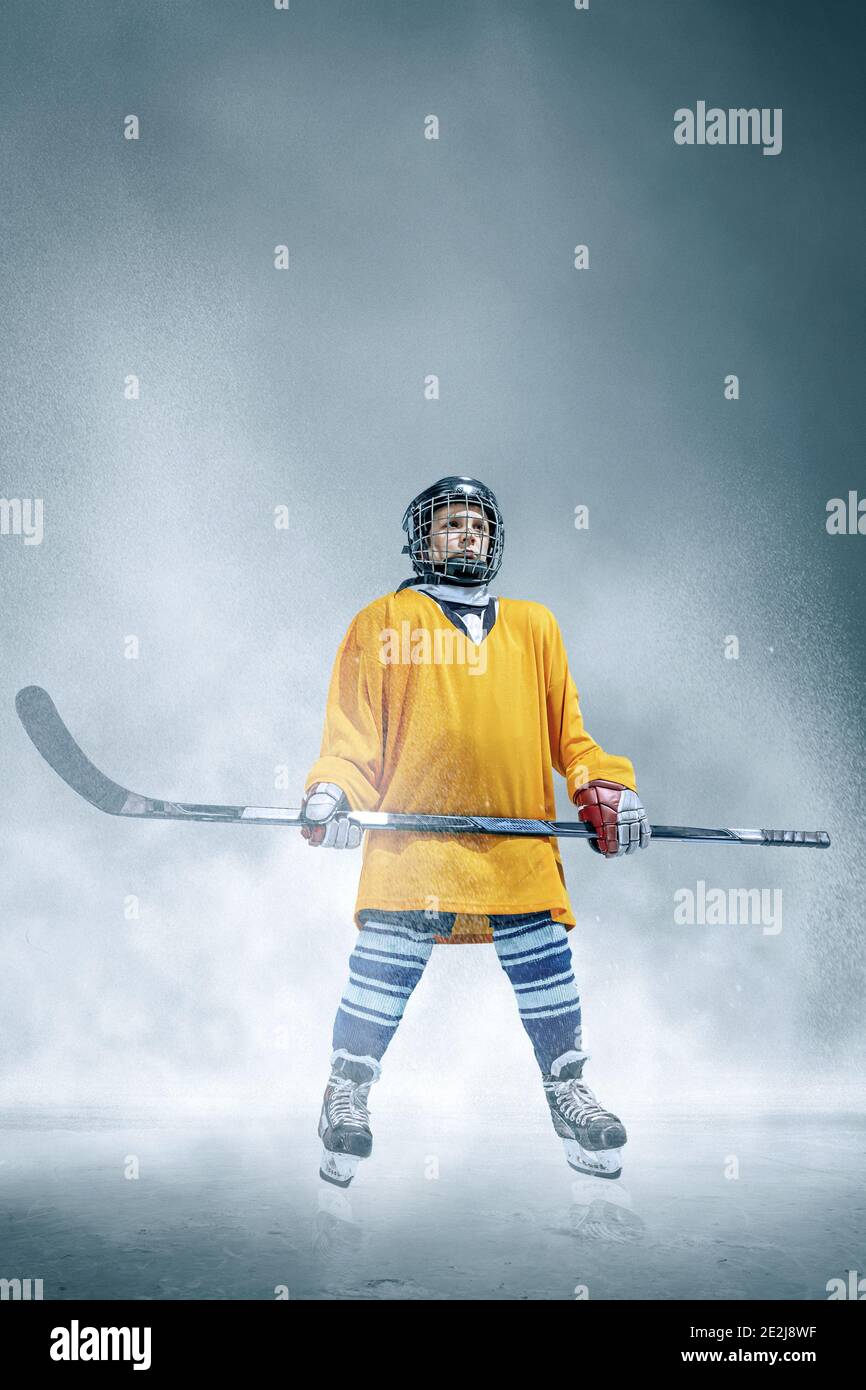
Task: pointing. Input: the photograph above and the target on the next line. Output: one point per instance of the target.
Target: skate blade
(601, 1163)
(338, 1168)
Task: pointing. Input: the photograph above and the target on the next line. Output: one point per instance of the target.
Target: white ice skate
(344, 1124)
(592, 1136)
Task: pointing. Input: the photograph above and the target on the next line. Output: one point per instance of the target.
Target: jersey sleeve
(573, 751)
(351, 754)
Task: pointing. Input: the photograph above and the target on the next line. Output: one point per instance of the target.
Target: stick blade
(38, 713)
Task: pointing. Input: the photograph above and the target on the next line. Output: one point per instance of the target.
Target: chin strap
(441, 579)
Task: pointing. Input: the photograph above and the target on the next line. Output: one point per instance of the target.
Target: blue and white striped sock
(388, 960)
(534, 952)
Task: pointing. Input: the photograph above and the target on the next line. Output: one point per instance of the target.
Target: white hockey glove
(616, 815)
(325, 804)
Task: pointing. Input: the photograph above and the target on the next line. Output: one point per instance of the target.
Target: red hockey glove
(616, 815)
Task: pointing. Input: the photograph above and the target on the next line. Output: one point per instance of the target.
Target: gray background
(305, 388)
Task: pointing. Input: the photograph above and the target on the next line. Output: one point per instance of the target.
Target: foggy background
(304, 388)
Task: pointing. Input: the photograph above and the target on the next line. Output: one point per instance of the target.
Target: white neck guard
(458, 593)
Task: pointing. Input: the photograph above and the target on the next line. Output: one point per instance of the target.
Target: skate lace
(576, 1101)
(348, 1105)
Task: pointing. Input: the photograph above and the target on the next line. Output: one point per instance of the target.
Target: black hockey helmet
(417, 521)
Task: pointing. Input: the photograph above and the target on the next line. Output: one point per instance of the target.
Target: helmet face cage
(457, 568)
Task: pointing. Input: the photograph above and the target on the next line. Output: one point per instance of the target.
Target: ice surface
(231, 1206)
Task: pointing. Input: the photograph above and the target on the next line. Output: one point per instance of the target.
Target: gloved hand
(616, 815)
(326, 804)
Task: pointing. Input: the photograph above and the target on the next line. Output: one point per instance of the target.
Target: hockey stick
(39, 716)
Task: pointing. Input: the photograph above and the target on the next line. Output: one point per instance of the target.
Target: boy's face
(458, 530)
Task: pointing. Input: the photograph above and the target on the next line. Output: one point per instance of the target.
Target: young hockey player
(446, 699)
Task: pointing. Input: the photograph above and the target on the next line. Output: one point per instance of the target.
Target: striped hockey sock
(534, 952)
(385, 966)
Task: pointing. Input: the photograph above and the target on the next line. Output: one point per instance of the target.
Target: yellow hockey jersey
(419, 718)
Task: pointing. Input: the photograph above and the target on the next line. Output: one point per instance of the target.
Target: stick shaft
(40, 718)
